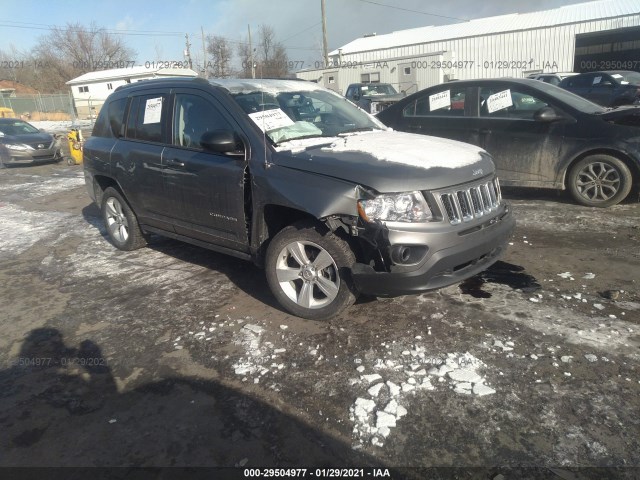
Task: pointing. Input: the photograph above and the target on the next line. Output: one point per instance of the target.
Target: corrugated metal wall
(511, 54)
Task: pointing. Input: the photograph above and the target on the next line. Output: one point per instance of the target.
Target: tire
(599, 181)
(314, 293)
(121, 223)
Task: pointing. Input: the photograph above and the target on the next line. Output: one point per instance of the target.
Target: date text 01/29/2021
(368, 472)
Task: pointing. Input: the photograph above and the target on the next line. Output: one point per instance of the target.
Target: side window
(449, 102)
(194, 116)
(509, 103)
(350, 92)
(110, 119)
(146, 121)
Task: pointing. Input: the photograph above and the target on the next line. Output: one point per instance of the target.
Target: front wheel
(122, 224)
(309, 271)
(599, 181)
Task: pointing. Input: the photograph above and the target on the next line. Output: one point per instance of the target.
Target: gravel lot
(176, 356)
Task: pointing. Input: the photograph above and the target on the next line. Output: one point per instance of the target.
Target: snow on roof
(580, 12)
(131, 72)
(274, 86)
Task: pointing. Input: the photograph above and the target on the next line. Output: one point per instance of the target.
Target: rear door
(137, 158)
(206, 188)
(445, 111)
(602, 90)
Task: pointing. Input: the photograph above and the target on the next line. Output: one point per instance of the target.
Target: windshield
(17, 127)
(286, 114)
(378, 89)
(627, 78)
(579, 103)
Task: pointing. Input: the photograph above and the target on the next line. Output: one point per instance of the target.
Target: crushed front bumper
(451, 257)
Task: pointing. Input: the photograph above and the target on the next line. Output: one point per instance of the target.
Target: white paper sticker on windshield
(152, 110)
(271, 119)
(597, 80)
(439, 100)
(499, 100)
(616, 75)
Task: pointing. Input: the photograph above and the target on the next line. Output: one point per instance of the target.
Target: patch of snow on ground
(62, 126)
(21, 229)
(401, 374)
(40, 188)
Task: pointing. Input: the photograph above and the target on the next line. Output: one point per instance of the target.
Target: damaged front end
(411, 246)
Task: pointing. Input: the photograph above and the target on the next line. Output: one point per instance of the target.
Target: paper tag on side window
(499, 100)
(439, 100)
(271, 119)
(152, 110)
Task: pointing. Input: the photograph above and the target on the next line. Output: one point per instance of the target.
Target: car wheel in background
(599, 181)
(121, 223)
(309, 271)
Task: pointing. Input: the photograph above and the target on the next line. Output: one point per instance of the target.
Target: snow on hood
(409, 149)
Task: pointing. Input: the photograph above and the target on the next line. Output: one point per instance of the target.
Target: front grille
(466, 204)
(41, 145)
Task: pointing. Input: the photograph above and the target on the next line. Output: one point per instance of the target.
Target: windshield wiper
(300, 138)
(360, 129)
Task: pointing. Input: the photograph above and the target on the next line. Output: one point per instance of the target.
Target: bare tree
(221, 54)
(270, 56)
(68, 52)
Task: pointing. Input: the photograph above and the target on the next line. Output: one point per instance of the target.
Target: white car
(552, 78)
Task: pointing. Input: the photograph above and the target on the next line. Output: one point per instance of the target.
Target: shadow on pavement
(61, 407)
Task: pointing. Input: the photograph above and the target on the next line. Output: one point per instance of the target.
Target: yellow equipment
(75, 146)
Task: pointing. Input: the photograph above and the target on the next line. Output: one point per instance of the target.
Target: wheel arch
(101, 183)
(276, 217)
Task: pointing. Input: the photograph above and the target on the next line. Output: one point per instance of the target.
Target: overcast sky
(156, 29)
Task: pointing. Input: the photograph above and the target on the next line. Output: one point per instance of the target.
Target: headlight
(18, 146)
(397, 207)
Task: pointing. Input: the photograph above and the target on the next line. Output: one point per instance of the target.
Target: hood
(390, 161)
(624, 115)
(384, 98)
(28, 138)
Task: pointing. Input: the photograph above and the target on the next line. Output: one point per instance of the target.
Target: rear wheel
(122, 225)
(309, 270)
(600, 181)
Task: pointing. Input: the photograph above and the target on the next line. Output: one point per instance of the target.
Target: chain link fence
(58, 106)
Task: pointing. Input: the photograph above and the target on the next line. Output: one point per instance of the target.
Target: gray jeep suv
(298, 180)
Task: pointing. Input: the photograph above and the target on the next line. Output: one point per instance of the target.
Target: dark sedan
(608, 88)
(21, 142)
(538, 134)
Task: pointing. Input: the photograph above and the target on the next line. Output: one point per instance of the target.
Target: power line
(413, 11)
(43, 26)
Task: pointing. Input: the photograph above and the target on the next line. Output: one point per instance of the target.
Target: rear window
(110, 119)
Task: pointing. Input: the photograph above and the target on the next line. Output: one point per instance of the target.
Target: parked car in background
(298, 180)
(21, 142)
(552, 78)
(539, 135)
(609, 88)
(373, 97)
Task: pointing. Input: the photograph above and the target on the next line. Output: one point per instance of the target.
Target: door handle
(484, 131)
(415, 127)
(174, 162)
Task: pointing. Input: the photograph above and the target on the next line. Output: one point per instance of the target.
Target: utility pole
(253, 67)
(204, 55)
(187, 52)
(325, 52)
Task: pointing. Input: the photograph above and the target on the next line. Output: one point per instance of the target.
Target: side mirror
(547, 115)
(219, 141)
(356, 97)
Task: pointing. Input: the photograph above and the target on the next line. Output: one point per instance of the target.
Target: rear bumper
(451, 258)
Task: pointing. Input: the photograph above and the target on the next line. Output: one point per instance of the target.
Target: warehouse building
(601, 35)
(92, 89)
